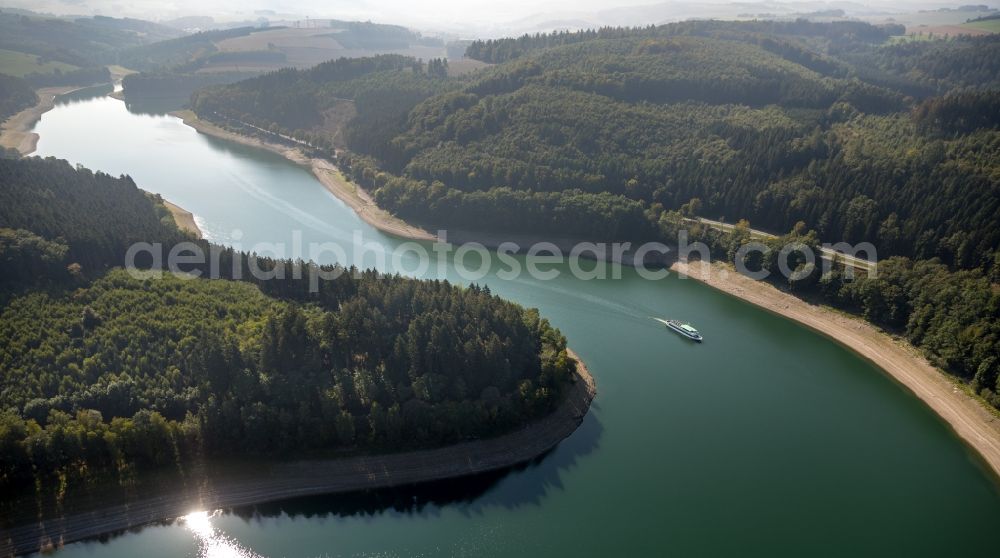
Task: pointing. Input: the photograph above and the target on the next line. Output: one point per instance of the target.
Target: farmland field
(989, 25)
(461, 66)
(304, 48)
(14, 63)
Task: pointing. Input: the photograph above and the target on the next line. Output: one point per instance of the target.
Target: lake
(768, 439)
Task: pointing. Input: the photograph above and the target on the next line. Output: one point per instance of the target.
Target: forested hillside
(15, 96)
(106, 373)
(55, 51)
(368, 35)
(364, 99)
(83, 42)
(929, 67)
(839, 33)
(749, 133)
(621, 134)
(775, 122)
(96, 215)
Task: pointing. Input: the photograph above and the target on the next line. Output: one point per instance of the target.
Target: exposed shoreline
(272, 481)
(974, 424)
(16, 131)
(358, 199)
(324, 171)
(183, 218)
(971, 421)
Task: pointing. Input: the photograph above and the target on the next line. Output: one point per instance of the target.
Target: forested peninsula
(108, 375)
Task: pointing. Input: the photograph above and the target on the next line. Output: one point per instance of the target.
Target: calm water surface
(766, 440)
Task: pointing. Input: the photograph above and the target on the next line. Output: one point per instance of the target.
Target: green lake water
(766, 440)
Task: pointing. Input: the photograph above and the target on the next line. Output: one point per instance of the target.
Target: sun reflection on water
(213, 543)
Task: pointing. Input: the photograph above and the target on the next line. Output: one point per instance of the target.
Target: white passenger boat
(682, 328)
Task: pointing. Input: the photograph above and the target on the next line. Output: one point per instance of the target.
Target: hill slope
(594, 133)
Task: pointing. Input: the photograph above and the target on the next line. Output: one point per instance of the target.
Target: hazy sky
(450, 14)
(375, 9)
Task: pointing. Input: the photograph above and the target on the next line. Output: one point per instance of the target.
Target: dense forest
(618, 133)
(105, 373)
(837, 33)
(774, 122)
(748, 132)
(363, 101)
(16, 95)
(930, 67)
(73, 206)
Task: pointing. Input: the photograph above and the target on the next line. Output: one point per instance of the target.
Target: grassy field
(462, 66)
(951, 22)
(18, 64)
(931, 18)
(938, 32)
(989, 25)
(895, 39)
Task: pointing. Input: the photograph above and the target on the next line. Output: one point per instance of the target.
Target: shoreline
(324, 171)
(359, 200)
(16, 131)
(967, 416)
(269, 482)
(183, 218)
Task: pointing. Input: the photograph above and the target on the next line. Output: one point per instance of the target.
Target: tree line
(501, 50)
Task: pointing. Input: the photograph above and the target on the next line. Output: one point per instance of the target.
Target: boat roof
(688, 328)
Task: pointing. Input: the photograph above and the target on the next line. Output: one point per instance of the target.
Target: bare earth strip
(363, 204)
(282, 480)
(183, 218)
(16, 131)
(967, 416)
(351, 194)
